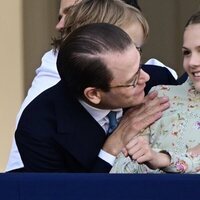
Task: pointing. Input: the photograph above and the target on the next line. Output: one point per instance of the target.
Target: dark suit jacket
(56, 134)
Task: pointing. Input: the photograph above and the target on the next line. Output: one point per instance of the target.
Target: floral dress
(176, 132)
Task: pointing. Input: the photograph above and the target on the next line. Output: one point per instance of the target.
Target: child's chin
(197, 88)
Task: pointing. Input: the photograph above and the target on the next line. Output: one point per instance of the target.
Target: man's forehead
(127, 56)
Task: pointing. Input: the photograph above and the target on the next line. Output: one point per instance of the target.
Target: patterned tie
(112, 121)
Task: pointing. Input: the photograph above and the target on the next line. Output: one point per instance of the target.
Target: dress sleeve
(183, 163)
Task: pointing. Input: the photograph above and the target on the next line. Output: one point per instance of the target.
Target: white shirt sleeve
(46, 76)
(107, 157)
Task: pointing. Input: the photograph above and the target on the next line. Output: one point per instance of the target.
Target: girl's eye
(186, 52)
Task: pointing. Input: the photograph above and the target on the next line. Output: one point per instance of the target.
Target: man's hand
(134, 121)
(138, 118)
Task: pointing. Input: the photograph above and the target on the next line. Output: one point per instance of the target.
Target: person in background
(47, 75)
(175, 138)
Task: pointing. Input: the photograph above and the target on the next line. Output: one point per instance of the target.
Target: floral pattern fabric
(176, 132)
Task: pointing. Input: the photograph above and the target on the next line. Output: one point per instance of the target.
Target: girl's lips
(195, 76)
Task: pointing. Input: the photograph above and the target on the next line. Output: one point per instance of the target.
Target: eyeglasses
(135, 81)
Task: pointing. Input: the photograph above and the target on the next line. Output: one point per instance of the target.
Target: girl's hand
(140, 150)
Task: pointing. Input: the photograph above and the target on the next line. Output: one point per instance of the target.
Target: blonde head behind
(114, 12)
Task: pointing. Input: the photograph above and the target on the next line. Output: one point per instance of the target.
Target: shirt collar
(99, 114)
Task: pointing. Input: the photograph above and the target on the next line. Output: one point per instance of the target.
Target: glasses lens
(136, 77)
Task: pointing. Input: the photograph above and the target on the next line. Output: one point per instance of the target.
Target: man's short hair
(80, 64)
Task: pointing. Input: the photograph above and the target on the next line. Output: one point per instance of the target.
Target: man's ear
(93, 95)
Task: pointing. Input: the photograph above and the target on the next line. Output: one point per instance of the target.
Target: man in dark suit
(67, 127)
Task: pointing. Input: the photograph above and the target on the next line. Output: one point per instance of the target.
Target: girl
(175, 138)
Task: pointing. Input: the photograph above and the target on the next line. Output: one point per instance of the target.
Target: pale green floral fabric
(176, 132)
